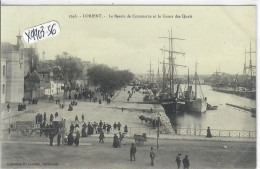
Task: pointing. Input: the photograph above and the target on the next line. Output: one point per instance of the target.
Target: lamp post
(158, 131)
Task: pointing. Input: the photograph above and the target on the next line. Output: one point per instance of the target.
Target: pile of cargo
(165, 125)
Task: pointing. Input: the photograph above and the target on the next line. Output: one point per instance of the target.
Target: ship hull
(198, 106)
(172, 107)
(247, 94)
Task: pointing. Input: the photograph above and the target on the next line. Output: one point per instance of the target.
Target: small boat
(209, 107)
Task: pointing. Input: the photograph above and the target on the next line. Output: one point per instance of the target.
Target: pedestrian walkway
(180, 137)
(38, 143)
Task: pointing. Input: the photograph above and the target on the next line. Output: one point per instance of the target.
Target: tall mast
(251, 70)
(164, 70)
(196, 80)
(150, 75)
(171, 61)
(188, 78)
(158, 72)
(251, 67)
(172, 64)
(244, 71)
(153, 77)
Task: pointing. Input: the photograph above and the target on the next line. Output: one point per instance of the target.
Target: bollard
(239, 135)
(249, 134)
(219, 133)
(229, 134)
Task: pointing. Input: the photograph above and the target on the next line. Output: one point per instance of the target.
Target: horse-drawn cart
(140, 139)
(25, 127)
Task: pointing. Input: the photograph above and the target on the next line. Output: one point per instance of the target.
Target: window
(4, 70)
(3, 88)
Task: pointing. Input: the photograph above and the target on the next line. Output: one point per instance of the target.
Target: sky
(215, 36)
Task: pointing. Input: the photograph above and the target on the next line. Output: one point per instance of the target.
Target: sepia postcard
(137, 86)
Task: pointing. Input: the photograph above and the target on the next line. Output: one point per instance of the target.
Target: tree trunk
(69, 93)
(64, 94)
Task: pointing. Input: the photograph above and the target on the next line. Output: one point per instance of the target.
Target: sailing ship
(173, 100)
(192, 102)
(246, 89)
(168, 97)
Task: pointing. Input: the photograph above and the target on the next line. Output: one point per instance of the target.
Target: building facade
(12, 71)
(3, 79)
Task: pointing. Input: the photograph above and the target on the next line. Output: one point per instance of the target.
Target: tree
(32, 59)
(70, 70)
(108, 79)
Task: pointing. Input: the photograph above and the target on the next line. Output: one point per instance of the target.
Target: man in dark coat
(70, 108)
(19, 107)
(84, 125)
(208, 133)
(89, 129)
(51, 138)
(8, 107)
(83, 132)
(132, 151)
(76, 141)
(101, 137)
(115, 142)
(76, 118)
(71, 127)
(125, 129)
(152, 156)
(41, 129)
(119, 126)
(40, 118)
(51, 117)
(186, 163)
(58, 139)
(44, 116)
(100, 124)
(108, 128)
(120, 139)
(115, 126)
(82, 117)
(178, 160)
(70, 138)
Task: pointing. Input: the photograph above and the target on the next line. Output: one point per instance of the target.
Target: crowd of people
(85, 93)
(185, 161)
(96, 128)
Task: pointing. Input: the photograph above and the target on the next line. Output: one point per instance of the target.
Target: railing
(197, 132)
(216, 132)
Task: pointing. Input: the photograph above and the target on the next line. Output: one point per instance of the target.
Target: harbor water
(224, 118)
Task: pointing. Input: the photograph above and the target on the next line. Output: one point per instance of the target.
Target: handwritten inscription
(41, 32)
